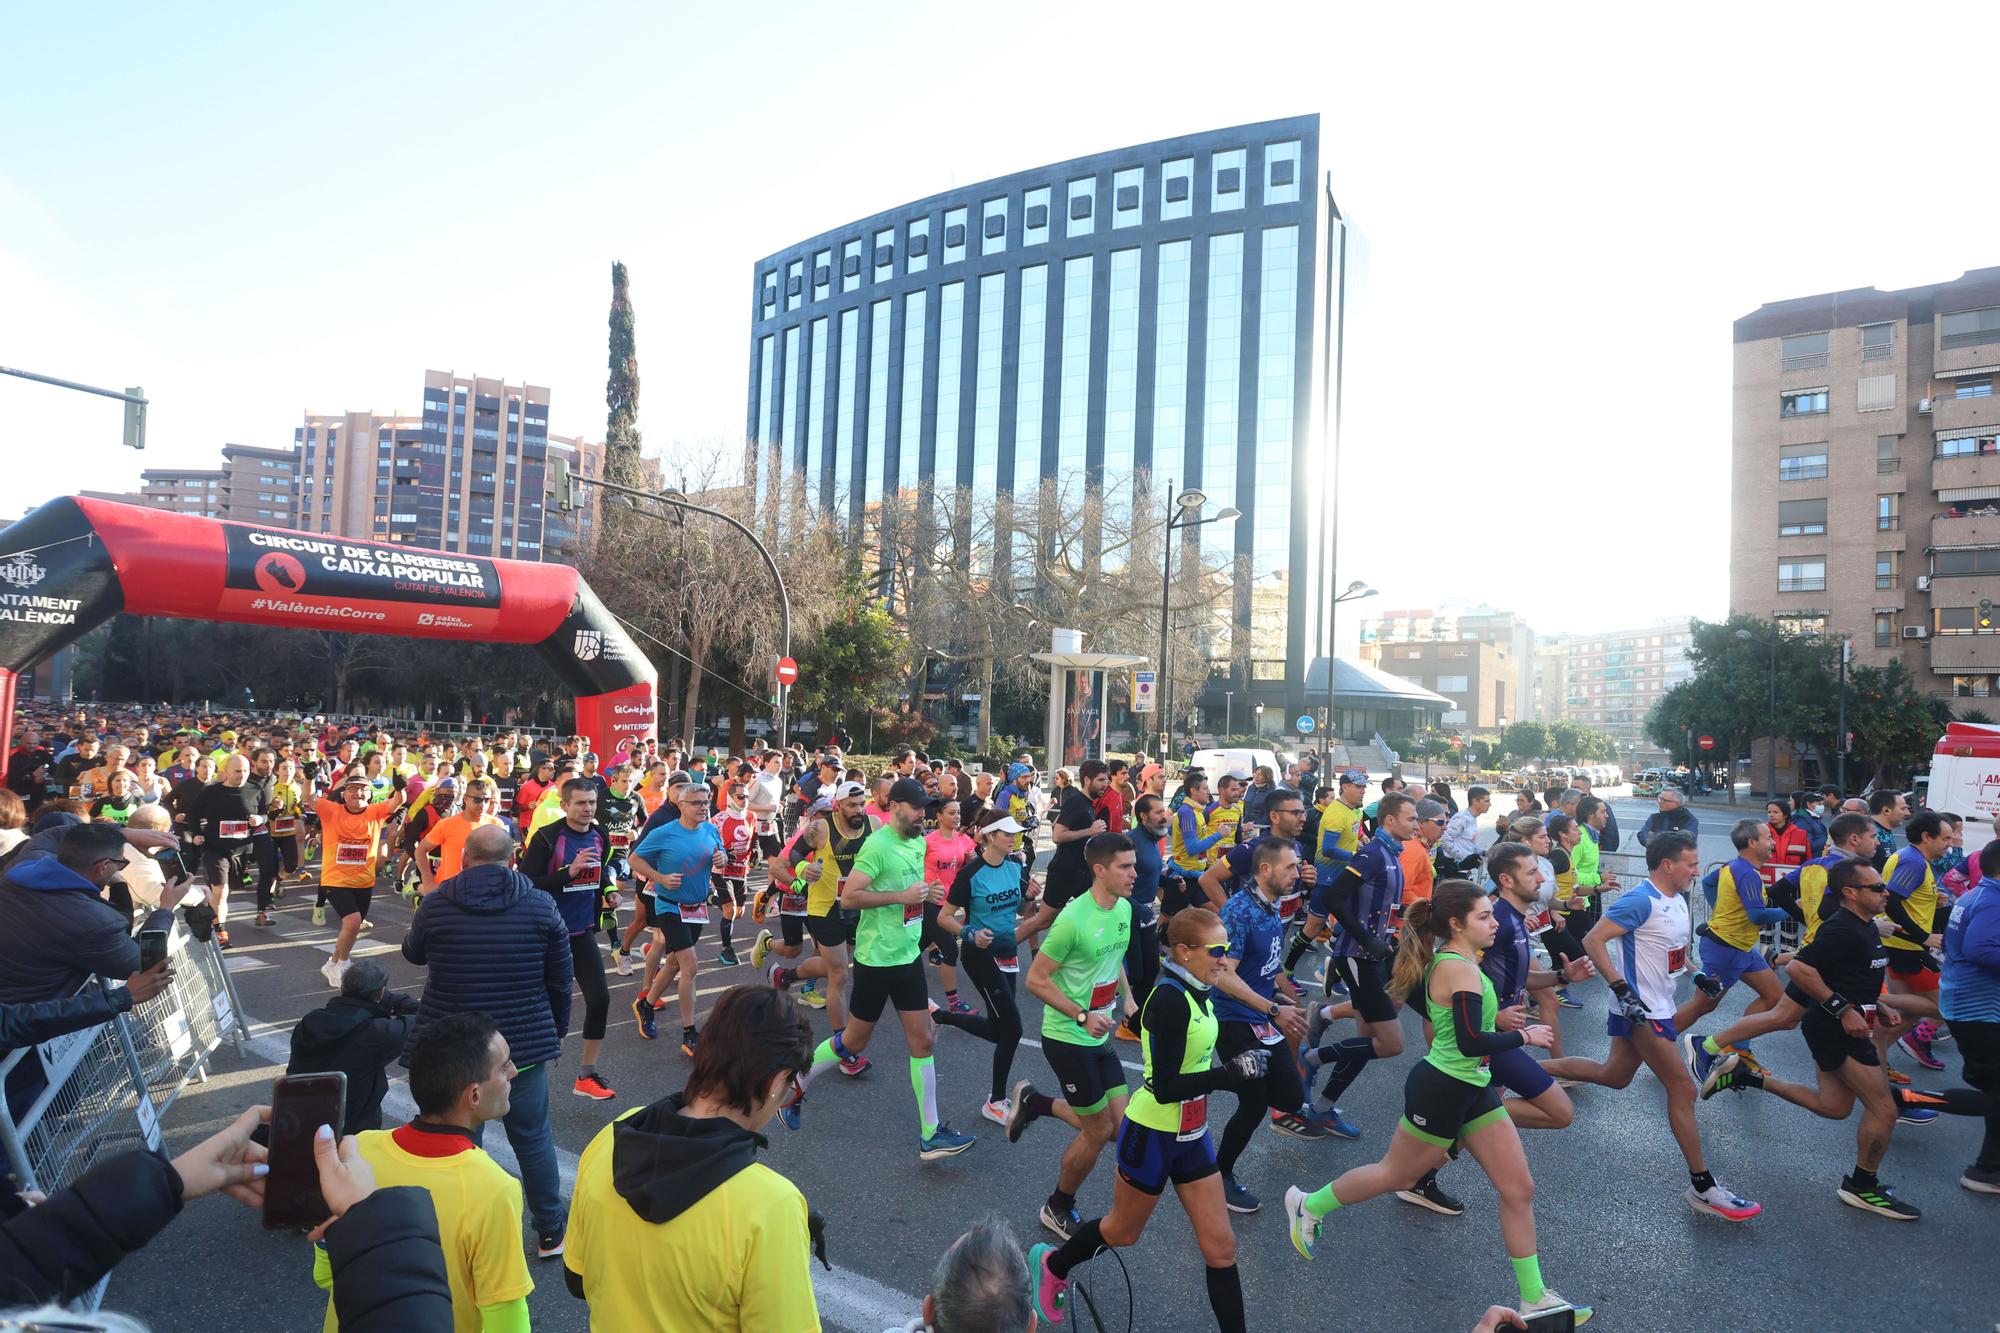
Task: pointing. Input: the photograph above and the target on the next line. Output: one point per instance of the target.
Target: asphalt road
(1613, 1228)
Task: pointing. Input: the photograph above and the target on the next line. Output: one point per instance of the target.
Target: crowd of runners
(1253, 936)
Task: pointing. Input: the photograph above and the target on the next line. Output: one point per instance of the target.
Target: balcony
(1967, 529)
(1966, 414)
(1965, 654)
(1965, 470)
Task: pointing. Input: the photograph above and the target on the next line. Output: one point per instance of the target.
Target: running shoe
(933, 1008)
(1919, 1050)
(264, 919)
(549, 1244)
(854, 1066)
(319, 914)
(1878, 1199)
(1334, 1121)
(1125, 1031)
(222, 941)
(728, 956)
(1018, 1118)
(331, 971)
(643, 1011)
(688, 1039)
(997, 1111)
(760, 950)
(1051, 1293)
(1980, 1181)
(593, 1087)
(1566, 1000)
(367, 926)
(1696, 1058)
(775, 974)
(1426, 1193)
(622, 961)
(1065, 1223)
(1238, 1199)
(1897, 1077)
(1551, 1301)
(1286, 1122)
(1736, 1078)
(947, 1142)
(789, 1112)
(1915, 1115)
(1723, 1202)
(962, 1009)
(1938, 1035)
(1748, 1060)
(1711, 1069)
(1302, 1224)
(811, 996)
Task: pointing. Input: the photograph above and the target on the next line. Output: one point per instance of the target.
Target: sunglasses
(1216, 950)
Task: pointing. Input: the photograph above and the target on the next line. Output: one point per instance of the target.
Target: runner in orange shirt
(351, 849)
(447, 839)
(1418, 869)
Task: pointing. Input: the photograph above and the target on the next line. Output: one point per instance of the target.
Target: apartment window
(1225, 192)
(1176, 188)
(1801, 462)
(1281, 173)
(1959, 620)
(917, 249)
(1885, 568)
(1888, 513)
(1803, 351)
(993, 227)
(1451, 685)
(1976, 388)
(1805, 403)
(1082, 202)
(1878, 341)
(850, 266)
(1035, 216)
(1802, 518)
(1790, 627)
(1969, 328)
(1888, 453)
(1802, 575)
(1971, 687)
(1875, 393)
(1968, 562)
(795, 292)
(954, 235)
(1959, 446)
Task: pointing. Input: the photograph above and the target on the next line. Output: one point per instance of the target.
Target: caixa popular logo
(21, 571)
(589, 645)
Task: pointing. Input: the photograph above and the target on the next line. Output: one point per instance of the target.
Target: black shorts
(902, 985)
(1174, 895)
(792, 929)
(1090, 1075)
(770, 845)
(832, 930)
(1829, 1043)
(1441, 1110)
(937, 937)
(346, 902)
(1149, 1158)
(730, 891)
(1368, 987)
(651, 907)
(679, 934)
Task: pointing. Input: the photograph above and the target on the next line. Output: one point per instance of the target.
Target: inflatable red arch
(74, 563)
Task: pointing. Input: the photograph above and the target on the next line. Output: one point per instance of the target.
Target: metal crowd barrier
(81, 1097)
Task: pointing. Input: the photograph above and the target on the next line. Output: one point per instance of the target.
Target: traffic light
(1985, 613)
(562, 484)
(135, 419)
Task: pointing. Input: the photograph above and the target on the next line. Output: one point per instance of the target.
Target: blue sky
(255, 212)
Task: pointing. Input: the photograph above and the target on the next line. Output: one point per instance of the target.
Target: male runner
(1802, 894)
(1911, 910)
(1649, 923)
(820, 859)
(1285, 816)
(1840, 974)
(1142, 958)
(886, 886)
(732, 894)
(1078, 976)
(1729, 951)
(351, 845)
(677, 859)
(447, 837)
(619, 812)
(571, 860)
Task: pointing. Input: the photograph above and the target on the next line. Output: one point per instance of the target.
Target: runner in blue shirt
(675, 860)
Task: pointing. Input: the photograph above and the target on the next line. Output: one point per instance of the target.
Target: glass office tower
(1166, 312)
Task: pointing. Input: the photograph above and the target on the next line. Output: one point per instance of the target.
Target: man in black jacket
(357, 1034)
(496, 944)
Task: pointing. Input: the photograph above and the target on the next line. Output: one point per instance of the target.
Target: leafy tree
(1895, 726)
(854, 664)
(1525, 741)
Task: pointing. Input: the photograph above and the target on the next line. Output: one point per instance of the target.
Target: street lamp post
(1771, 744)
(1182, 509)
(1229, 712)
(1355, 592)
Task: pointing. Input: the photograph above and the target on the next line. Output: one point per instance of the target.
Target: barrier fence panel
(87, 1095)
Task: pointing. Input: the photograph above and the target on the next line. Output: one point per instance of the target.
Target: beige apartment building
(253, 485)
(1866, 478)
(1479, 678)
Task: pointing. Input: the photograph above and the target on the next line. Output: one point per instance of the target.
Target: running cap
(354, 779)
(999, 821)
(1355, 776)
(908, 791)
(843, 790)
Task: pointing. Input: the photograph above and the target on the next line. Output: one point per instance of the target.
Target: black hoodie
(356, 1037)
(664, 1162)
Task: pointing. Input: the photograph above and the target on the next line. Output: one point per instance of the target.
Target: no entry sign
(1706, 742)
(787, 671)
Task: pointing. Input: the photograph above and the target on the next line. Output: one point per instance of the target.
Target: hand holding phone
(345, 1178)
(228, 1162)
(300, 1104)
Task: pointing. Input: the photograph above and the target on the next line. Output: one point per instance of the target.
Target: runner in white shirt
(1639, 947)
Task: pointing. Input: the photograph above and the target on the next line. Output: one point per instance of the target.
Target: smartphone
(1562, 1319)
(152, 949)
(171, 863)
(300, 1104)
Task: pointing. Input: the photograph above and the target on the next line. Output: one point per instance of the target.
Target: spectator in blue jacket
(1969, 998)
(1673, 816)
(496, 944)
(1806, 814)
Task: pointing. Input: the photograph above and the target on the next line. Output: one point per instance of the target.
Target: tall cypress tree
(621, 390)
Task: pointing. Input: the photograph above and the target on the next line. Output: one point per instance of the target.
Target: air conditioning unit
(1923, 583)
(1915, 632)
(1924, 406)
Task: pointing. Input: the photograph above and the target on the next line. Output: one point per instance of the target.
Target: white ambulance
(1965, 772)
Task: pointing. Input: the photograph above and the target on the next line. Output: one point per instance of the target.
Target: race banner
(341, 583)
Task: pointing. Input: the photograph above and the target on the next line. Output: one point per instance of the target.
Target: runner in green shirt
(1079, 976)
(887, 887)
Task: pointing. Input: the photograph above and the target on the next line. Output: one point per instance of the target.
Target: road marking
(848, 1301)
(237, 962)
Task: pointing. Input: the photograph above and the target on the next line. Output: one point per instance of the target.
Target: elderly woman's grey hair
(978, 1286)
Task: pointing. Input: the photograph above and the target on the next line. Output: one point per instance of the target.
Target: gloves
(1249, 1066)
(1708, 985)
(401, 1005)
(1629, 1003)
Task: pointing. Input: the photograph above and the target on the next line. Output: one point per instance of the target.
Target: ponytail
(1451, 901)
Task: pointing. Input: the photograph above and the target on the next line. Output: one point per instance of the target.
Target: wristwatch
(1271, 1012)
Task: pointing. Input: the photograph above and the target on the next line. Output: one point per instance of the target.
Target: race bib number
(233, 828)
(694, 914)
(76, 791)
(620, 841)
(1677, 961)
(1194, 1117)
(1267, 1034)
(351, 854)
(284, 826)
(1008, 963)
(791, 904)
(913, 912)
(767, 826)
(1103, 993)
(1538, 921)
(1395, 916)
(1289, 907)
